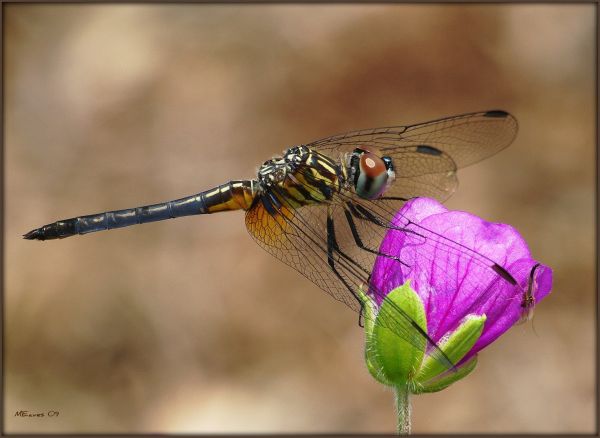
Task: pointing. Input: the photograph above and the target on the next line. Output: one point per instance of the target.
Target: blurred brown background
(187, 325)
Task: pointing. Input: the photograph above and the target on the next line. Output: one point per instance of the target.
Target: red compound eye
(372, 165)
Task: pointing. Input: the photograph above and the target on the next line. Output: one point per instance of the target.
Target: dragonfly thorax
(301, 176)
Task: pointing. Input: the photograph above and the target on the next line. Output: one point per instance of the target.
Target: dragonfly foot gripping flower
(454, 300)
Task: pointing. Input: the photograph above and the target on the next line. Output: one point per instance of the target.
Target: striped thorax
(302, 176)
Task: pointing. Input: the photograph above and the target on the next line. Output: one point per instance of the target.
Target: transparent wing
(465, 139)
(298, 237)
(427, 155)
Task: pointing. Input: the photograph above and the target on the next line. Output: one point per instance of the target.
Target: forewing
(429, 147)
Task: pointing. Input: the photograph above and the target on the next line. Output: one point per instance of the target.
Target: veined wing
(426, 155)
(466, 138)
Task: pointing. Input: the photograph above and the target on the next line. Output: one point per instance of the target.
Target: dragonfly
(324, 207)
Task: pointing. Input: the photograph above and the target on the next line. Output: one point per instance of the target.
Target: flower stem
(403, 409)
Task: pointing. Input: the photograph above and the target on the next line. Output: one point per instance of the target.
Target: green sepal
(443, 382)
(375, 369)
(396, 359)
(455, 346)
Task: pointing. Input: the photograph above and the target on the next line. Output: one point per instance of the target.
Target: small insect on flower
(528, 302)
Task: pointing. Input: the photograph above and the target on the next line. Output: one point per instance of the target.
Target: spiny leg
(501, 271)
(331, 246)
(351, 211)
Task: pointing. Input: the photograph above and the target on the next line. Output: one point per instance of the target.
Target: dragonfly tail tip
(33, 235)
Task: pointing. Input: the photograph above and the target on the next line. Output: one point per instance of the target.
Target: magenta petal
(447, 255)
(505, 309)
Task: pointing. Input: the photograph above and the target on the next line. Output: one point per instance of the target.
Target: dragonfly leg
(332, 246)
(351, 211)
(393, 198)
(361, 316)
(366, 214)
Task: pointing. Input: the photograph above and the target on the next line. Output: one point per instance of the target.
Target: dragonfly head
(370, 173)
